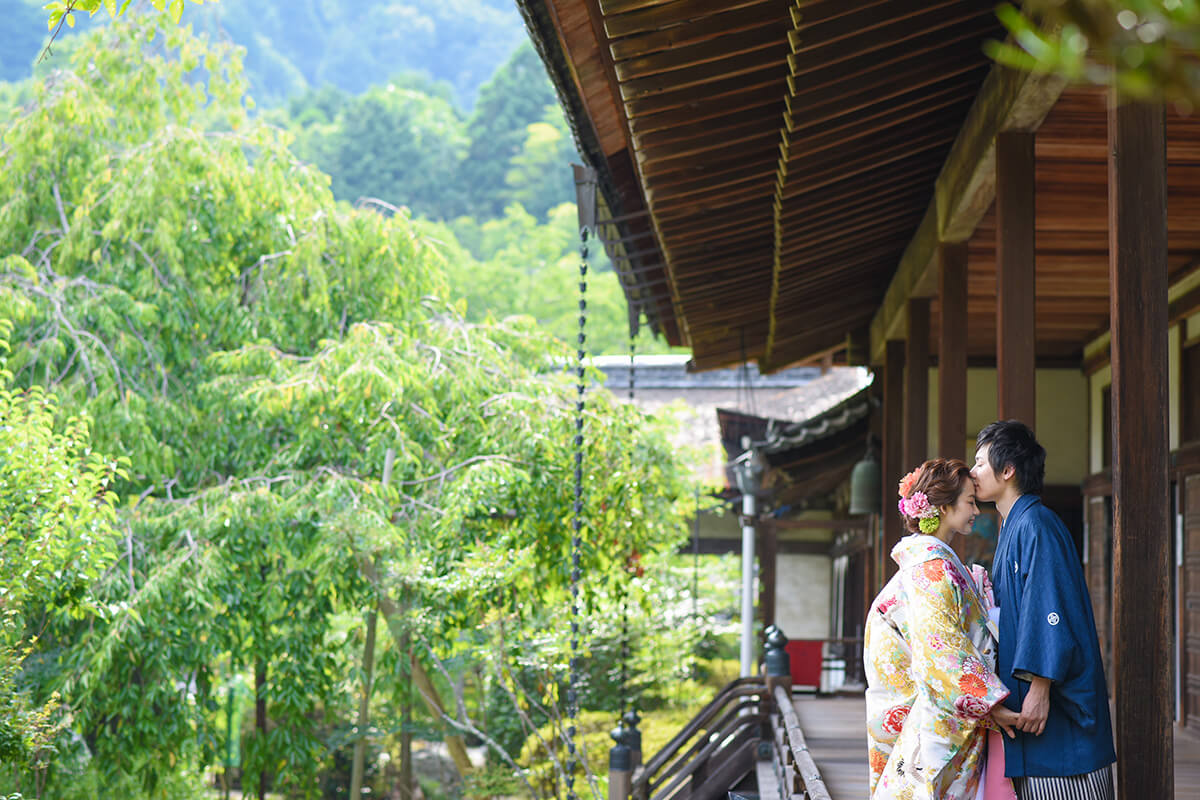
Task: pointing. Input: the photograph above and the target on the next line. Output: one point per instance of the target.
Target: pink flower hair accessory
(916, 505)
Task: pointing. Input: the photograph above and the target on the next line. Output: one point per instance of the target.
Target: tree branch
(62, 214)
(464, 724)
(446, 472)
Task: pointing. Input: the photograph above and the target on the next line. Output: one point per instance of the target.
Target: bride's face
(960, 517)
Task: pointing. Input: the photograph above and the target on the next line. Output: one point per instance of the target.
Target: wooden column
(916, 385)
(952, 350)
(768, 549)
(1015, 290)
(893, 418)
(1137, 247)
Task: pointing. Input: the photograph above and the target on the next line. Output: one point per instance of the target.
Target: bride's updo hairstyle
(941, 480)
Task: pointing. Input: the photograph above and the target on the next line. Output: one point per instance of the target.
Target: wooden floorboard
(837, 739)
(1187, 764)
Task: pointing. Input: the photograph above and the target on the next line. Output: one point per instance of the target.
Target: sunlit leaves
(65, 8)
(1146, 47)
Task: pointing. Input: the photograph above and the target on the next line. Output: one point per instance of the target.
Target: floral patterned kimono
(930, 655)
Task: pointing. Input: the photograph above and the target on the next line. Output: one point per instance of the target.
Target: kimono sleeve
(944, 659)
(1045, 641)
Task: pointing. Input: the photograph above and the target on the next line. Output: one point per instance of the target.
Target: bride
(930, 652)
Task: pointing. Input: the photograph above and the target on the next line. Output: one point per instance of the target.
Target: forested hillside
(295, 44)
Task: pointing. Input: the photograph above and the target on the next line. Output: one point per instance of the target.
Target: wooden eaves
(782, 153)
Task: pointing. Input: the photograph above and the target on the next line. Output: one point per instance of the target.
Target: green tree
(516, 265)
(400, 145)
(539, 177)
(56, 539)
(256, 349)
(516, 97)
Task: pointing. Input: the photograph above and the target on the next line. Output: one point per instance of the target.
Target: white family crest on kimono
(930, 653)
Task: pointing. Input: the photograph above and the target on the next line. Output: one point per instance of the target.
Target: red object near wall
(805, 657)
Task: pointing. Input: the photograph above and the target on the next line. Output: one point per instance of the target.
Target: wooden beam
(916, 385)
(952, 350)
(923, 14)
(1008, 100)
(1142, 651)
(730, 91)
(893, 418)
(655, 17)
(766, 56)
(696, 31)
(1015, 269)
(679, 58)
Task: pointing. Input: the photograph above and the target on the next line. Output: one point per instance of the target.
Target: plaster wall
(1062, 402)
(1096, 383)
(1102, 378)
(802, 596)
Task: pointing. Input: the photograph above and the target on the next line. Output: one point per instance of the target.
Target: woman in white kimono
(930, 652)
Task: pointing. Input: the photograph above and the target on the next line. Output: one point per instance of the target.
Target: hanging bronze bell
(866, 484)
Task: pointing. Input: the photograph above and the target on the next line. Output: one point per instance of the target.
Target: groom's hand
(1036, 707)
(1005, 718)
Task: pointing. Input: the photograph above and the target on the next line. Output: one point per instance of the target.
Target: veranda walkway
(833, 728)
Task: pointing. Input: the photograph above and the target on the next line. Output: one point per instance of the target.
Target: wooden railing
(712, 751)
(750, 719)
(796, 771)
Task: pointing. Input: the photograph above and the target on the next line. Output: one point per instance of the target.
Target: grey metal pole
(748, 512)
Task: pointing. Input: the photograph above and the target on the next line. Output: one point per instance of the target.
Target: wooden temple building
(854, 180)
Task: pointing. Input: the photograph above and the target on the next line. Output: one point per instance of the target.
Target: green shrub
(593, 742)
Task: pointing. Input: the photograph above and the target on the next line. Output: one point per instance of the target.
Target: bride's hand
(1006, 718)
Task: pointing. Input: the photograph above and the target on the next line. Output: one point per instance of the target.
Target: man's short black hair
(1012, 442)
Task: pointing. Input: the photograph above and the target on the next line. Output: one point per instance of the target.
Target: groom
(1049, 656)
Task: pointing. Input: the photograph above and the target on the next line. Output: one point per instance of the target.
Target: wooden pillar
(768, 549)
(916, 385)
(952, 350)
(1137, 247)
(893, 417)
(1015, 290)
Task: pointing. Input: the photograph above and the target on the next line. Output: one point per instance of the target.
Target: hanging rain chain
(623, 591)
(577, 522)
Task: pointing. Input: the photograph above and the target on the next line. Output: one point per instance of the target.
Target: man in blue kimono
(1049, 654)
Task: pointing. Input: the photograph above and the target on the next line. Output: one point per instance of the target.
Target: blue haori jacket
(1047, 629)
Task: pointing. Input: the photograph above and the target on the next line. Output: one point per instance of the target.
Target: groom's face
(987, 485)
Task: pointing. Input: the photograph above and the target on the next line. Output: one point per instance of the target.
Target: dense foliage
(57, 537)
(1147, 48)
(255, 350)
(497, 175)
